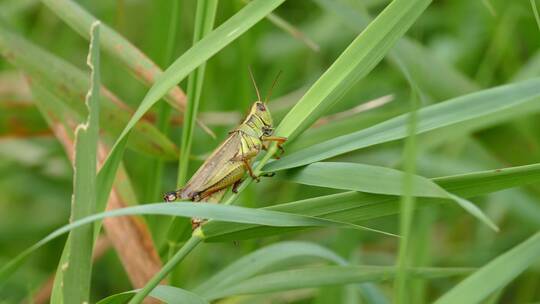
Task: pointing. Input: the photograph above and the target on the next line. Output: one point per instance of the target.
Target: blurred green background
(480, 44)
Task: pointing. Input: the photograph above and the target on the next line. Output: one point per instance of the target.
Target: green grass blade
(402, 283)
(190, 210)
(380, 180)
(264, 259)
(77, 268)
(324, 276)
(167, 294)
(360, 57)
(363, 178)
(357, 207)
(204, 22)
(482, 108)
(496, 274)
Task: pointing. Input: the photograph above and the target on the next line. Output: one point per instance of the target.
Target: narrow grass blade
(167, 294)
(360, 57)
(483, 108)
(324, 276)
(496, 274)
(204, 22)
(77, 268)
(264, 259)
(380, 180)
(358, 207)
(189, 209)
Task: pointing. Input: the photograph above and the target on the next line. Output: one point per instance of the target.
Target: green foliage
(394, 111)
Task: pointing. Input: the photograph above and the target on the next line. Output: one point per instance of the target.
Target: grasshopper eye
(261, 107)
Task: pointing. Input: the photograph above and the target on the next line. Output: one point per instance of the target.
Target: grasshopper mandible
(227, 164)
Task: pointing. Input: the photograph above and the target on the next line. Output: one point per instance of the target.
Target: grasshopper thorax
(258, 122)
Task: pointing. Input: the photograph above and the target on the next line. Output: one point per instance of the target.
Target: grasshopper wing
(215, 162)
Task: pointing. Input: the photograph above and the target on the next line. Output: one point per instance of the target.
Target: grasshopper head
(260, 110)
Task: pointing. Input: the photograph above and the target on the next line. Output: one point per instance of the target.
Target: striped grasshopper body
(226, 166)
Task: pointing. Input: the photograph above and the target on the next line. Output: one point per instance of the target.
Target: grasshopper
(227, 164)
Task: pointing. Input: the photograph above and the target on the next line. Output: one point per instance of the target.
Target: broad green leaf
(496, 274)
(188, 209)
(70, 84)
(263, 259)
(357, 207)
(380, 180)
(167, 294)
(363, 178)
(360, 57)
(77, 267)
(476, 110)
(324, 276)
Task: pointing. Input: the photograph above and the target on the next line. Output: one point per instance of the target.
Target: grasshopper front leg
(278, 139)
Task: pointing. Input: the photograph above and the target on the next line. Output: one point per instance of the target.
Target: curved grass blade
(473, 111)
(189, 209)
(263, 259)
(360, 57)
(167, 294)
(357, 207)
(77, 267)
(496, 274)
(380, 180)
(204, 22)
(325, 276)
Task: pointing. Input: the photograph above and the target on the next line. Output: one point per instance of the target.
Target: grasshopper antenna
(254, 83)
(272, 87)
